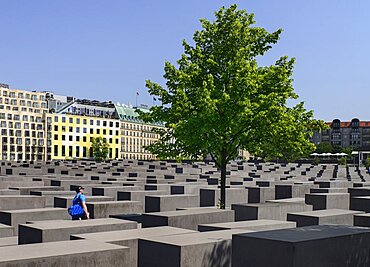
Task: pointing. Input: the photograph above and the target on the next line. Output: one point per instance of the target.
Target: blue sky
(106, 50)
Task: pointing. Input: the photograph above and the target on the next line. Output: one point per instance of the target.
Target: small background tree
(100, 148)
(219, 100)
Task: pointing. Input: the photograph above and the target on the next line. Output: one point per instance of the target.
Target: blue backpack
(75, 209)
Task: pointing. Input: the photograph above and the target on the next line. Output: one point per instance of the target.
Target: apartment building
(135, 134)
(354, 133)
(23, 124)
(46, 126)
(72, 136)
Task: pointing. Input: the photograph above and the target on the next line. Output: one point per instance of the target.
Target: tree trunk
(223, 180)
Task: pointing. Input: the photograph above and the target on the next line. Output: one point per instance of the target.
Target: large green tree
(100, 148)
(219, 100)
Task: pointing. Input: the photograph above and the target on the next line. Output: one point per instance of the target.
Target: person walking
(79, 203)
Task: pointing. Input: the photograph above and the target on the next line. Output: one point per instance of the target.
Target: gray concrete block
(103, 209)
(50, 231)
(65, 253)
(270, 211)
(49, 195)
(260, 194)
(320, 217)
(323, 201)
(66, 201)
(110, 191)
(254, 225)
(292, 191)
(319, 246)
(6, 192)
(129, 238)
(6, 230)
(21, 202)
(25, 190)
(187, 219)
(195, 250)
(138, 195)
(16, 217)
(8, 241)
(160, 203)
(210, 197)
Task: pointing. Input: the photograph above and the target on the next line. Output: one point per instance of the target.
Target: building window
(55, 150)
(63, 119)
(63, 137)
(70, 120)
(70, 138)
(55, 137)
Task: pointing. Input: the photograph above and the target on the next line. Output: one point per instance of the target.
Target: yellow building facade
(72, 136)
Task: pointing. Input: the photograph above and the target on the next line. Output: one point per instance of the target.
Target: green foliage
(324, 147)
(100, 148)
(316, 161)
(342, 161)
(219, 100)
(348, 150)
(366, 163)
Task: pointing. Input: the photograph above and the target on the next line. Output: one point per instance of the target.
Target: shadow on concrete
(219, 255)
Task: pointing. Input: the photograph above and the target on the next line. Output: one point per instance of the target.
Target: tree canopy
(100, 148)
(218, 99)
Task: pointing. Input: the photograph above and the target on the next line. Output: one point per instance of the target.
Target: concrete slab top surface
(175, 196)
(267, 204)
(18, 196)
(112, 236)
(57, 224)
(8, 241)
(87, 197)
(198, 237)
(54, 192)
(176, 213)
(308, 233)
(288, 200)
(34, 210)
(50, 249)
(330, 194)
(248, 223)
(112, 202)
(326, 213)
